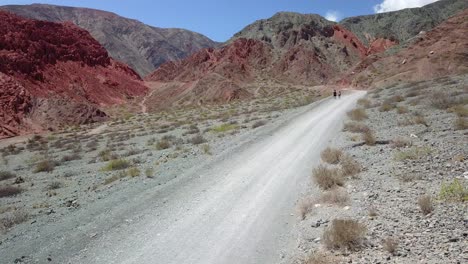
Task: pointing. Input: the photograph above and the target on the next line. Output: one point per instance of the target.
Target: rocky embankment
(408, 203)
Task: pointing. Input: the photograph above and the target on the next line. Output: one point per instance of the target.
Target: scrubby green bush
(118, 164)
(224, 128)
(327, 178)
(357, 114)
(454, 191)
(413, 153)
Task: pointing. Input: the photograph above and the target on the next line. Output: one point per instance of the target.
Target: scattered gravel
(385, 195)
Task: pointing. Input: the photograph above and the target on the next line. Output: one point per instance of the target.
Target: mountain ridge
(402, 24)
(141, 46)
(287, 49)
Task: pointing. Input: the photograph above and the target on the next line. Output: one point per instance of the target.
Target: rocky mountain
(287, 49)
(440, 52)
(295, 49)
(403, 24)
(54, 74)
(140, 46)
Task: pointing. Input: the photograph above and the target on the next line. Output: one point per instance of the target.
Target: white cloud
(332, 15)
(393, 5)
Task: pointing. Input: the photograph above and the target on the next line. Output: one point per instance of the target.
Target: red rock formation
(234, 61)
(349, 39)
(300, 63)
(286, 49)
(15, 103)
(44, 63)
(380, 45)
(300, 57)
(142, 47)
(211, 74)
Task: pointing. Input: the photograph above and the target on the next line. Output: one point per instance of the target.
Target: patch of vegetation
(46, 165)
(357, 114)
(149, 172)
(459, 110)
(400, 143)
(413, 153)
(402, 110)
(355, 127)
(206, 149)
(71, 157)
(37, 143)
(349, 166)
(454, 192)
(118, 164)
(413, 93)
(133, 172)
(442, 101)
(337, 196)
(461, 123)
(197, 140)
(369, 138)
(193, 129)
(417, 119)
(425, 204)
(344, 234)
(331, 155)
(396, 99)
(54, 185)
(259, 124)
(107, 155)
(163, 144)
(11, 150)
(114, 178)
(365, 103)
(387, 106)
(390, 245)
(7, 191)
(168, 141)
(305, 206)
(13, 218)
(420, 120)
(327, 178)
(373, 212)
(5, 175)
(224, 128)
(132, 152)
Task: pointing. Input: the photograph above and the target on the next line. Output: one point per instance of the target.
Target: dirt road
(238, 208)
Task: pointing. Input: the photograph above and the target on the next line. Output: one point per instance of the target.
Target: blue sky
(220, 19)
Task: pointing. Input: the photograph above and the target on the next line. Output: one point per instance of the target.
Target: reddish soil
(380, 45)
(55, 74)
(350, 40)
(235, 61)
(215, 75)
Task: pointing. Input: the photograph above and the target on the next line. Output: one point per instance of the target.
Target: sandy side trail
(143, 106)
(238, 207)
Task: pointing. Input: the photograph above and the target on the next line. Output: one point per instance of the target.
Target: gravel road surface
(237, 208)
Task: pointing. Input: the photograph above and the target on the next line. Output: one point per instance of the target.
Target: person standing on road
(334, 94)
(339, 94)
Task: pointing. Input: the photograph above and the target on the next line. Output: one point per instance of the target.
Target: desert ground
(263, 181)
(403, 198)
(65, 190)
